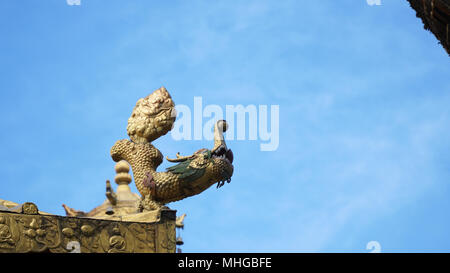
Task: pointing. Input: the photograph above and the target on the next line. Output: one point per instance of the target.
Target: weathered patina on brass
(30, 231)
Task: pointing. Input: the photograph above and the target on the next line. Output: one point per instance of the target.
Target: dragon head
(221, 156)
(206, 167)
(152, 117)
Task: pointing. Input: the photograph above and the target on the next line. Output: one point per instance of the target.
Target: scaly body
(151, 118)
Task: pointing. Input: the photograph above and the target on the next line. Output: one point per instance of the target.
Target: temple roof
(117, 204)
(435, 15)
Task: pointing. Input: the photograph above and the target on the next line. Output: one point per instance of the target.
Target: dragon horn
(179, 158)
(219, 128)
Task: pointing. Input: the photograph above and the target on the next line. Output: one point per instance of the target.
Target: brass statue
(118, 225)
(152, 117)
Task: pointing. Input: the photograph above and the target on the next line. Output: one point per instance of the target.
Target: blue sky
(363, 91)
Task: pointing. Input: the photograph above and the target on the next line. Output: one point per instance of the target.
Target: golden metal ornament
(21, 233)
(152, 117)
(126, 222)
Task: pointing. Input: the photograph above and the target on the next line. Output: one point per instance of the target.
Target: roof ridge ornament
(151, 118)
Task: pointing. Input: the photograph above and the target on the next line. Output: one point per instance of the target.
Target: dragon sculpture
(152, 117)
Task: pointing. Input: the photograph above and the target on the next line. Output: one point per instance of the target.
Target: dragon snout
(222, 125)
(225, 157)
(229, 156)
(223, 153)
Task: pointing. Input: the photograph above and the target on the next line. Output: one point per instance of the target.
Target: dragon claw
(221, 183)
